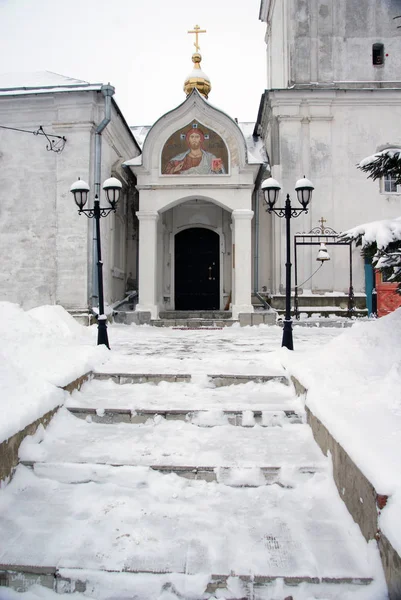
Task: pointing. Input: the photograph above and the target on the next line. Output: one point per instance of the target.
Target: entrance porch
(195, 256)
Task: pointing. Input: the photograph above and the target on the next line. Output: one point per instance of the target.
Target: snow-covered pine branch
(386, 162)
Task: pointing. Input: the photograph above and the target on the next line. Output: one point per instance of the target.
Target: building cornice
(265, 10)
(382, 96)
(196, 186)
(304, 119)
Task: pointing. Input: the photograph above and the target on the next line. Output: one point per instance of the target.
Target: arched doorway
(197, 269)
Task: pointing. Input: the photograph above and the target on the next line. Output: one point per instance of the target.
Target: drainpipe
(107, 91)
(259, 178)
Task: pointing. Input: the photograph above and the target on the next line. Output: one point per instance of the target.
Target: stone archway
(197, 269)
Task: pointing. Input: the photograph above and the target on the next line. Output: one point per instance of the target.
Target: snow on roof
(382, 232)
(255, 147)
(197, 74)
(140, 132)
(371, 159)
(41, 82)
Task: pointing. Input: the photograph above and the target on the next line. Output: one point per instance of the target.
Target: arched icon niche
(194, 150)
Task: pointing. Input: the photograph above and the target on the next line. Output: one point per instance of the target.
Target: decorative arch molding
(182, 200)
(194, 108)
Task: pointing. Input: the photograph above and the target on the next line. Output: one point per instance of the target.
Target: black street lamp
(271, 189)
(80, 189)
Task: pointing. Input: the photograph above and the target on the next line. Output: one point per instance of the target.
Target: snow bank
(41, 349)
(354, 388)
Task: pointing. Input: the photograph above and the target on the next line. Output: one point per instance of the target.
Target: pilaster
(147, 282)
(242, 261)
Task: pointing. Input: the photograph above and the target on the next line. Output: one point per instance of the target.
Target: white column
(242, 262)
(147, 280)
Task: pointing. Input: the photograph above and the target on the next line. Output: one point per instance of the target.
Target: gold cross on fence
(197, 30)
(322, 222)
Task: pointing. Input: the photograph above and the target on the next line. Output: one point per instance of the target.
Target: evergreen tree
(386, 259)
(383, 163)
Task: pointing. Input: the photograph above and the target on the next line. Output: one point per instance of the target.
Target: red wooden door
(387, 297)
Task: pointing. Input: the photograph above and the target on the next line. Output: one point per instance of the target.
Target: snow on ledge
(42, 350)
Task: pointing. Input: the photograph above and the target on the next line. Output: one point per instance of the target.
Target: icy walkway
(191, 505)
(176, 443)
(233, 350)
(200, 394)
(132, 519)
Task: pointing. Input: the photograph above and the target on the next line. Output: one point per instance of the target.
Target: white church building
(196, 181)
(191, 232)
(333, 97)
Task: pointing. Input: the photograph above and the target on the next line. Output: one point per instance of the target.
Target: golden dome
(197, 78)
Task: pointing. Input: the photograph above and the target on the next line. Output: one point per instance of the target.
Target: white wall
(45, 245)
(324, 136)
(328, 41)
(42, 242)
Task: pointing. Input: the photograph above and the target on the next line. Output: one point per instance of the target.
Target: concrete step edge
(209, 473)
(217, 379)
(193, 324)
(195, 314)
(136, 416)
(44, 574)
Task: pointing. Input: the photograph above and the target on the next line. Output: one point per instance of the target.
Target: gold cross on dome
(322, 222)
(197, 30)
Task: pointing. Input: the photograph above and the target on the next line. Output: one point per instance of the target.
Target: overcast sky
(142, 47)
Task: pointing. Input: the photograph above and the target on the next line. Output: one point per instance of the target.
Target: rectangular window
(378, 54)
(389, 185)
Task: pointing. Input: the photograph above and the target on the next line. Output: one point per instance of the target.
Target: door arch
(197, 269)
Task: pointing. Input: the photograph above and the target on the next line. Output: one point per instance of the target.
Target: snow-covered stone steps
(132, 521)
(173, 442)
(248, 418)
(148, 586)
(216, 379)
(183, 396)
(231, 476)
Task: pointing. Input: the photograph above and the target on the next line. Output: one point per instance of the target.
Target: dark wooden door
(197, 270)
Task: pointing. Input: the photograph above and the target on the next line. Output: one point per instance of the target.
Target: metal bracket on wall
(55, 143)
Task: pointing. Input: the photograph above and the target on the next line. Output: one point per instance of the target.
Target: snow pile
(41, 349)
(38, 79)
(354, 388)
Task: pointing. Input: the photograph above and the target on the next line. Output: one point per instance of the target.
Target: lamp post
(80, 190)
(271, 189)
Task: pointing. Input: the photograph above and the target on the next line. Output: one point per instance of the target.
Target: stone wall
(360, 497)
(356, 491)
(258, 318)
(9, 448)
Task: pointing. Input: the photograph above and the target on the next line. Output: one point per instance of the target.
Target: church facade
(333, 97)
(191, 232)
(196, 181)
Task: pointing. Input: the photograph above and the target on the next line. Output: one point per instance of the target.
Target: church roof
(42, 82)
(47, 82)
